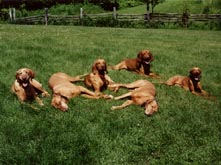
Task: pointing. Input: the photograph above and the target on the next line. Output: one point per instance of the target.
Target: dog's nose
(24, 76)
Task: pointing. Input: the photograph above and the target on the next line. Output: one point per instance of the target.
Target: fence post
(10, 14)
(185, 19)
(81, 13)
(46, 16)
(115, 13)
(14, 14)
(147, 16)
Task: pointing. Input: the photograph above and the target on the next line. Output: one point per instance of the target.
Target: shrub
(130, 3)
(4, 14)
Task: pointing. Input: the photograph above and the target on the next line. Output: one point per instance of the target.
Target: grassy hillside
(185, 130)
(175, 6)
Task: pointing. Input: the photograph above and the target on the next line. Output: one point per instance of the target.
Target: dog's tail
(111, 67)
(209, 97)
(160, 82)
(80, 77)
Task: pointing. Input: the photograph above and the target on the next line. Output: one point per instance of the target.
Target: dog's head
(24, 75)
(99, 67)
(145, 57)
(151, 107)
(195, 74)
(59, 102)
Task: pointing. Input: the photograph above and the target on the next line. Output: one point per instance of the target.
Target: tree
(153, 3)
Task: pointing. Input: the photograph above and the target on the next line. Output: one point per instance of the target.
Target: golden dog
(26, 87)
(191, 82)
(63, 90)
(143, 93)
(98, 79)
(140, 65)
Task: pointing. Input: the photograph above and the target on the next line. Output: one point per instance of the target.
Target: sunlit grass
(185, 130)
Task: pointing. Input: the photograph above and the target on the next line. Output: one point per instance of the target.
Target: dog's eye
(19, 73)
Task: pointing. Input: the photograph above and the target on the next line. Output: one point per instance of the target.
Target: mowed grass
(187, 128)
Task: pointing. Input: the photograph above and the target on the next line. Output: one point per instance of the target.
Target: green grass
(173, 6)
(186, 130)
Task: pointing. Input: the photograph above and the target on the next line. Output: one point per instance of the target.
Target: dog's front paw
(113, 107)
(113, 87)
(45, 94)
(108, 96)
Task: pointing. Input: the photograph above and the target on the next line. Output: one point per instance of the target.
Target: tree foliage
(38, 4)
(152, 3)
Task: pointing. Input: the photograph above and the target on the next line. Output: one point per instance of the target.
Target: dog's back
(141, 94)
(60, 78)
(178, 80)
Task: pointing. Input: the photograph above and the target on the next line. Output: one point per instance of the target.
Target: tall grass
(185, 130)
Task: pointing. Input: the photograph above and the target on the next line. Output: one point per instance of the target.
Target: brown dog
(191, 82)
(26, 87)
(98, 79)
(140, 65)
(63, 90)
(143, 94)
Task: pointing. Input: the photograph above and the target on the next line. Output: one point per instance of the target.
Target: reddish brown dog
(143, 93)
(63, 90)
(98, 79)
(26, 87)
(140, 65)
(191, 82)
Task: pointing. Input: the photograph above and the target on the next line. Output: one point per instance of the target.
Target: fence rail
(181, 19)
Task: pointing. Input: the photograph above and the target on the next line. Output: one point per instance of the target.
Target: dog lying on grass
(140, 65)
(142, 93)
(26, 87)
(98, 79)
(190, 83)
(63, 90)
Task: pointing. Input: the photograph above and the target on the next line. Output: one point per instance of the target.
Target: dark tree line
(39, 4)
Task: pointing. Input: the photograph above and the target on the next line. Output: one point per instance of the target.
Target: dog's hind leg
(87, 93)
(121, 65)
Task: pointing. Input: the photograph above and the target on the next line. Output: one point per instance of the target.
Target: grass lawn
(187, 128)
(172, 6)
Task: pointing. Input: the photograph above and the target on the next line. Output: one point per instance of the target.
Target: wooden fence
(181, 19)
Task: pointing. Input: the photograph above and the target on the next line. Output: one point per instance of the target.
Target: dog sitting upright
(98, 79)
(140, 65)
(191, 82)
(26, 87)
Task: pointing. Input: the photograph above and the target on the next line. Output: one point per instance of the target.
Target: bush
(4, 14)
(130, 3)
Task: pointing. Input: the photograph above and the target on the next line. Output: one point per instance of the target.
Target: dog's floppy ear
(199, 70)
(31, 73)
(140, 55)
(17, 74)
(191, 72)
(139, 60)
(94, 68)
(105, 64)
(151, 56)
